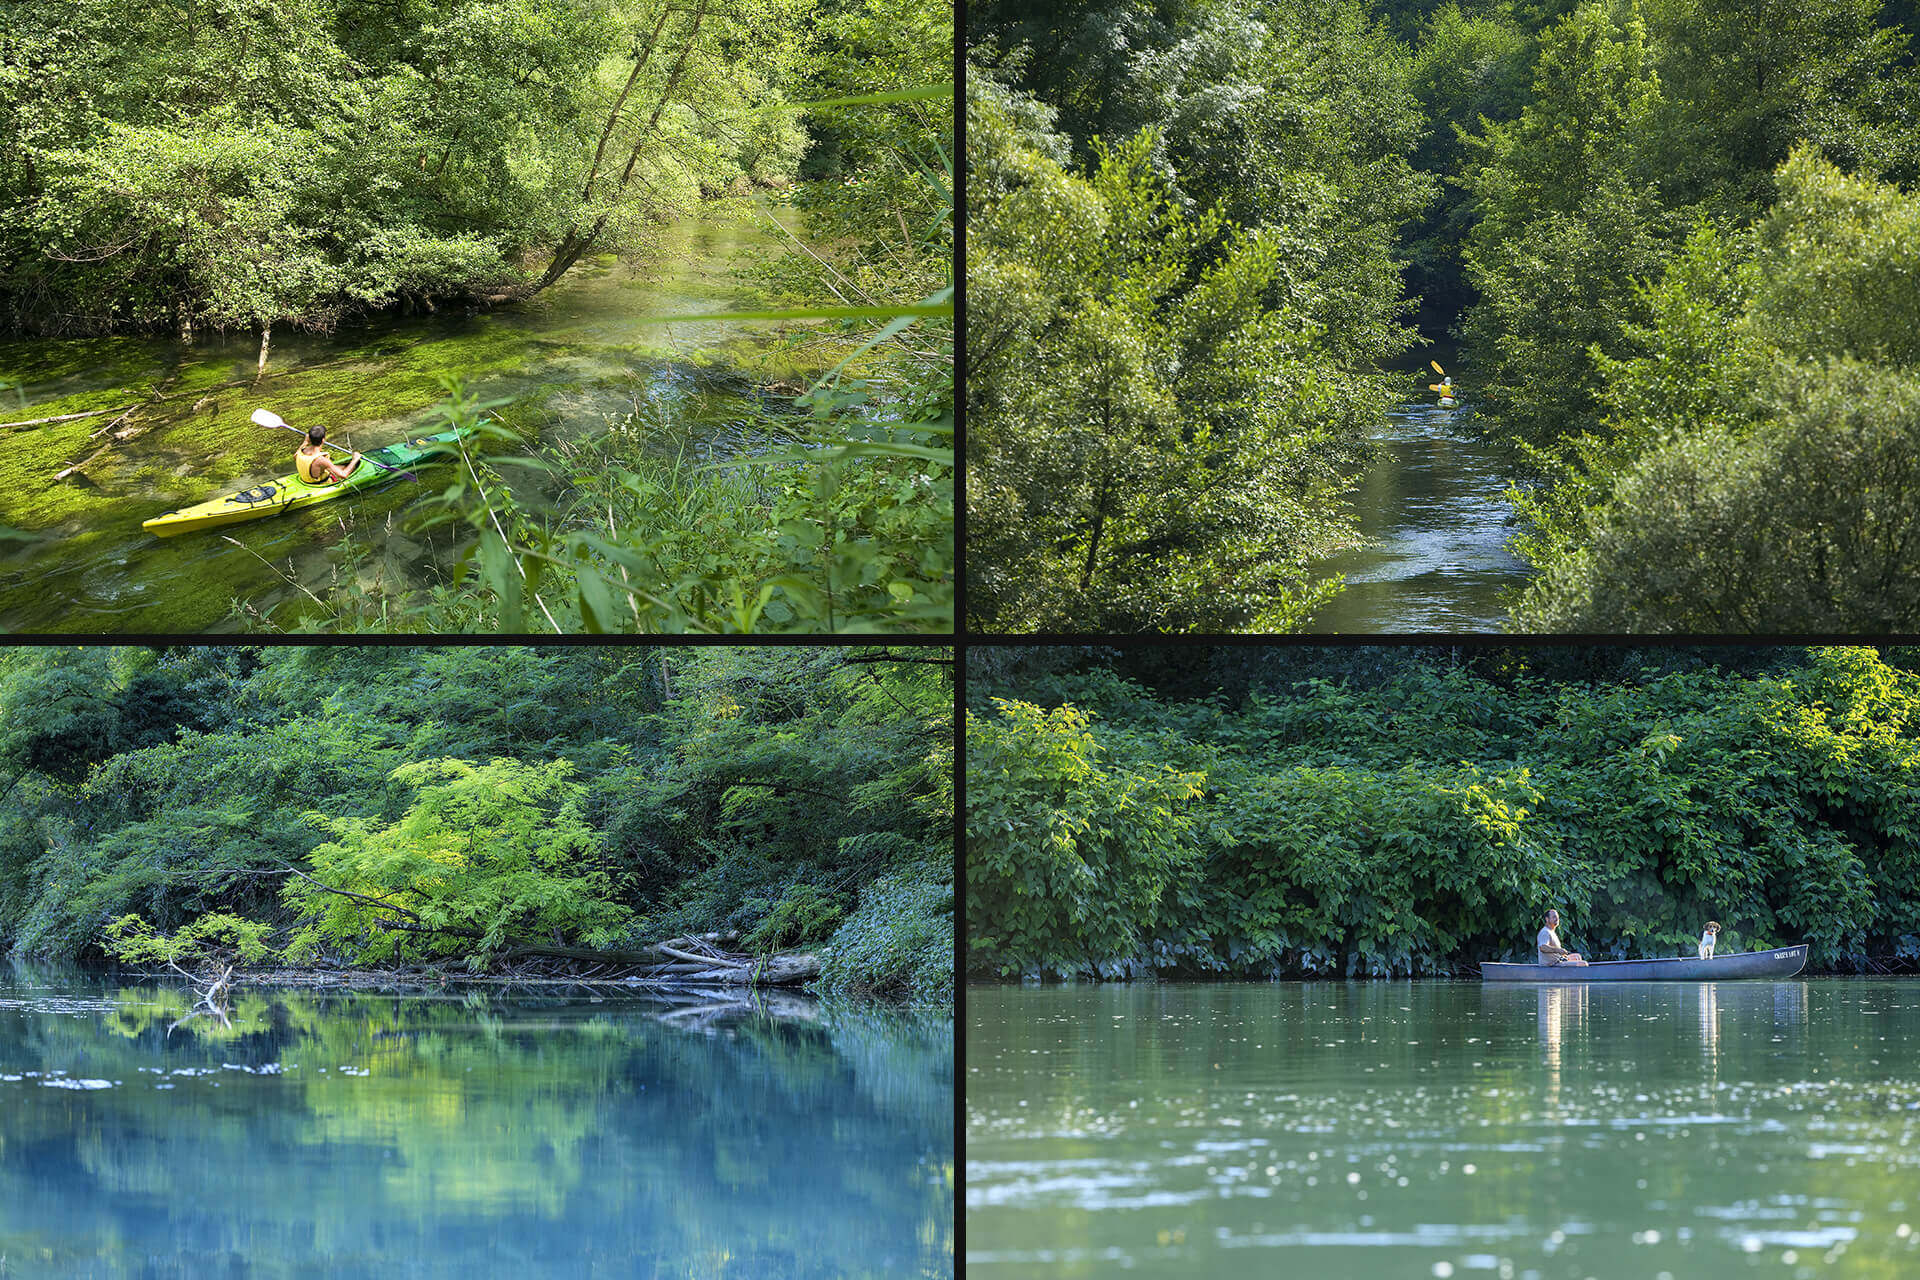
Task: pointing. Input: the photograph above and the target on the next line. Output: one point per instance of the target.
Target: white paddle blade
(268, 418)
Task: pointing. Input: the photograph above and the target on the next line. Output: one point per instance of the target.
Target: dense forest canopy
(573, 797)
(1343, 812)
(1674, 239)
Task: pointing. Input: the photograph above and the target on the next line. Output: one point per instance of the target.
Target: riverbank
(1306, 812)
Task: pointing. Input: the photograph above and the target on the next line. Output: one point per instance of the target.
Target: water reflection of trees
(562, 1134)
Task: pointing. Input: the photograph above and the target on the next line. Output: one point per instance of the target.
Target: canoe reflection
(1614, 1018)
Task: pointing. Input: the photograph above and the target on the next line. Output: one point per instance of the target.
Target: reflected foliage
(373, 1132)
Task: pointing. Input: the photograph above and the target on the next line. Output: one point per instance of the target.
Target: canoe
(1781, 963)
(290, 492)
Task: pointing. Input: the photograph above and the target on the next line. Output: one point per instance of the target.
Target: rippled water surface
(1660, 1130)
(360, 1135)
(1436, 519)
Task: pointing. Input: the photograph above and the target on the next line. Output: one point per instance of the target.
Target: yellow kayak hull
(290, 493)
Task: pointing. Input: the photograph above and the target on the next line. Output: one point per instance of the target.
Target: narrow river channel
(1436, 521)
(1413, 1129)
(584, 351)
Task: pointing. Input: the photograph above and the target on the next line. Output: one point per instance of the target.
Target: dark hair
(316, 434)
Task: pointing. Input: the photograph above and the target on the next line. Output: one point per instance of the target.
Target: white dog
(1707, 940)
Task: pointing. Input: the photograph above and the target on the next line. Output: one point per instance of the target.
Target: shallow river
(355, 1135)
(1434, 512)
(585, 350)
(1660, 1130)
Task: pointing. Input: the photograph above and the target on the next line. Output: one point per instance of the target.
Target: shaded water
(1445, 1129)
(569, 358)
(349, 1135)
(1435, 518)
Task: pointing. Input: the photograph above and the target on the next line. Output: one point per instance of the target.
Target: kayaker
(1547, 946)
(315, 465)
(1707, 939)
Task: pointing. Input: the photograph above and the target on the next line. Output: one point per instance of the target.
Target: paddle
(268, 418)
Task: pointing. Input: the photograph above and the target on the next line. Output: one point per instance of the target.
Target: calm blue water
(350, 1135)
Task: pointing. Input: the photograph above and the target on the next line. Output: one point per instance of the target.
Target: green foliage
(1568, 221)
(1429, 818)
(1655, 214)
(216, 936)
(1466, 66)
(1754, 473)
(804, 914)
(1803, 523)
(488, 855)
(1070, 862)
(1130, 465)
(616, 795)
(899, 940)
(297, 162)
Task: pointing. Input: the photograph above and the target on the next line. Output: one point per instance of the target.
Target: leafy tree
(1132, 466)
(794, 796)
(231, 165)
(1568, 220)
(1071, 865)
(1422, 818)
(1466, 67)
(486, 856)
(1753, 473)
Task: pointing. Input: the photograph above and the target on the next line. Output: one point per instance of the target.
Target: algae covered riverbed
(566, 361)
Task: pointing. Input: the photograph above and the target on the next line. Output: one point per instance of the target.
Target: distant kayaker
(314, 463)
(1707, 939)
(1547, 946)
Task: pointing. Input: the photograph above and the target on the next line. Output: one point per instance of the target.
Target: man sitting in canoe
(314, 464)
(1547, 946)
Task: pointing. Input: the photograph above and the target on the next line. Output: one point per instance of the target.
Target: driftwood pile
(696, 961)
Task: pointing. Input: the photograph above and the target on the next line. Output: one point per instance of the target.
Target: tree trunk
(266, 340)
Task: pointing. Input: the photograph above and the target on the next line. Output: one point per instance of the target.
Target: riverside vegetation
(1676, 240)
(462, 809)
(173, 175)
(1355, 812)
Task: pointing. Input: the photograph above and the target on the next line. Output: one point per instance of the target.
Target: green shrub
(899, 941)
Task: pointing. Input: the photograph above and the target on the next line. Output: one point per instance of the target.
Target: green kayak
(290, 493)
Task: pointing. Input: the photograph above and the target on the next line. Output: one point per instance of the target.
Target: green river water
(582, 351)
(468, 1135)
(1671, 1131)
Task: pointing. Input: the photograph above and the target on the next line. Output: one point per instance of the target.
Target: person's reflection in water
(1561, 1009)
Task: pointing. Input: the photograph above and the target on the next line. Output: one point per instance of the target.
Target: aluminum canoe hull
(1781, 962)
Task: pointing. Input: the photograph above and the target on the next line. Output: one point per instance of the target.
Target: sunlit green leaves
(1426, 819)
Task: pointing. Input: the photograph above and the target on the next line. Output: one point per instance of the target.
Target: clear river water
(346, 1135)
(1445, 1129)
(1435, 518)
(74, 559)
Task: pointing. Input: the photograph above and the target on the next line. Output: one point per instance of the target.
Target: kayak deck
(290, 492)
(1781, 962)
